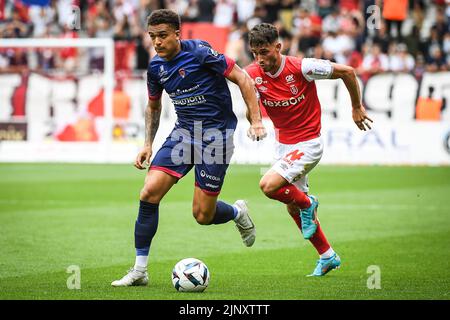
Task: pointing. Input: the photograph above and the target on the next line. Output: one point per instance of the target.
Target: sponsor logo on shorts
(203, 174)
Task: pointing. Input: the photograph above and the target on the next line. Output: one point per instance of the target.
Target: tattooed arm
(152, 116)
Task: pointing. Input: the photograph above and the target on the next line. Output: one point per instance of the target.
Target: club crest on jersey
(294, 89)
(182, 72)
(258, 80)
(290, 78)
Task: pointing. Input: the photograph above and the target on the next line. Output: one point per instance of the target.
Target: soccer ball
(190, 275)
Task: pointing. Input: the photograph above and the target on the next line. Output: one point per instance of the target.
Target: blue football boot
(309, 216)
(326, 265)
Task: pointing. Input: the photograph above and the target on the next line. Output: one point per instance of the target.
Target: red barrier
(217, 37)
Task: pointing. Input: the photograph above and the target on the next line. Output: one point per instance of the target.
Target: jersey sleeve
(154, 89)
(214, 60)
(316, 69)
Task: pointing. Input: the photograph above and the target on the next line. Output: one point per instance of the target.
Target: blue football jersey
(195, 82)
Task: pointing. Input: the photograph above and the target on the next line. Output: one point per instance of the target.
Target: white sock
(327, 254)
(141, 263)
(238, 213)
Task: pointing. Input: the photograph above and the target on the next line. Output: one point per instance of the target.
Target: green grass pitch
(53, 216)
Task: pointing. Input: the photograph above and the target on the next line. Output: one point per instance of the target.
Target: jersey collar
(280, 69)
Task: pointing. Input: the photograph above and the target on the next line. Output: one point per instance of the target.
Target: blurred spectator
(179, 6)
(102, 28)
(419, 67)
(432, 44)
(286, 42)
(332, 22)
(237, 47)
(68, 56)
(350, 5)
(446, 48)
(99, 10)
(401, 60)
(224, 13)
(286, 13)
(206, 10)
(325, 7)
(441, 26)
(272, 8)
(245, 9)
(258, 17)
(355, 60)
(375, 62)
(16, 60)
(14, 27)
(395, 12)
(329, 29)
(143, 51)
(305, 22)
(41, 17)
(436, 61)
(340, 45)
(192, 11)
(418, 13)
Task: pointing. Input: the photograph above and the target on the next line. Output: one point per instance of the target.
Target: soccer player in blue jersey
(194, 76)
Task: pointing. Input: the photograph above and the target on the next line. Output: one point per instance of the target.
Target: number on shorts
(294, 155)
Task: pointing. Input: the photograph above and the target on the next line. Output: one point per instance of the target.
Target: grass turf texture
(56, 215)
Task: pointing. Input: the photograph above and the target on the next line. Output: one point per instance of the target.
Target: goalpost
(108, 73)
(10, 150)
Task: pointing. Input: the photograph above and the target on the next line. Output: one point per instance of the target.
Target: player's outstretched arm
(152, 116)
(347, 74)
(257, 130)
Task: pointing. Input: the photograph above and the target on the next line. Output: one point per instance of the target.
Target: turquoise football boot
(309, 216)
(326, 265)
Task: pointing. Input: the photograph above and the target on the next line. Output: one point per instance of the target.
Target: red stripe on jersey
(290, 101)
(230, 65)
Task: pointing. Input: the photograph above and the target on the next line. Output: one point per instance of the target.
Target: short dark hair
(262, 34)
(164, 16)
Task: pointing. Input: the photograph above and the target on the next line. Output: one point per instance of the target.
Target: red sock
(290, 193)
(318, 240)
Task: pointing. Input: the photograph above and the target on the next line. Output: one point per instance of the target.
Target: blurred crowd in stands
(409, 36)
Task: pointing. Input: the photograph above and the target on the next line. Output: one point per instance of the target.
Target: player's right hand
(143, 158)
(257, 131)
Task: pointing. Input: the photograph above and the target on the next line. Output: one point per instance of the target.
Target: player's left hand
(361, 119)
(257, 131)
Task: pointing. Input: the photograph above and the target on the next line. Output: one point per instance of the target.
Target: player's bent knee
(202, 217)
(150, 194)
(267, 188)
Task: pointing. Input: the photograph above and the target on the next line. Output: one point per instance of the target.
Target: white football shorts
(295, 161)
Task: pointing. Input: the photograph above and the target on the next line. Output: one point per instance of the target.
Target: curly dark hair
(164, 16)
(262, 34)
